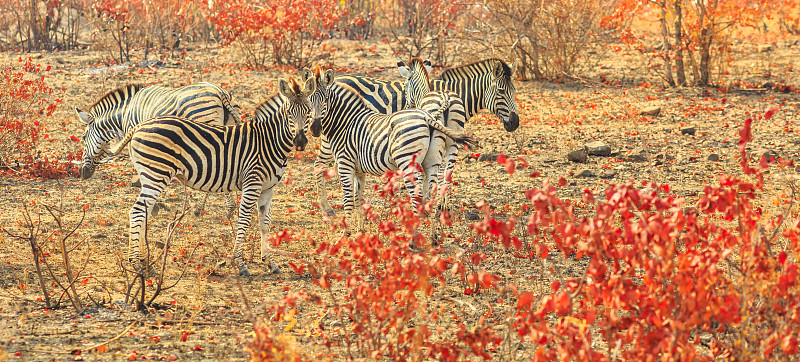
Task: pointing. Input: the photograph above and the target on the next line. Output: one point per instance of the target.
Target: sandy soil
(203, 316)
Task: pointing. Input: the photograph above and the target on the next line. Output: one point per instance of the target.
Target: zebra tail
(459, 137)
(125, 140)
(231, 115)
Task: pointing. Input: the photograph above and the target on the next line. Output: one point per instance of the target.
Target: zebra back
(120, 110)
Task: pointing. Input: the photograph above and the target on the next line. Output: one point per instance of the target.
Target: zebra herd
(365, 125)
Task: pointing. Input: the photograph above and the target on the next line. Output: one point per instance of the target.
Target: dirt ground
(203, 317)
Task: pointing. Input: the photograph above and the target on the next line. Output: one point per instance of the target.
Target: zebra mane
(453, 72)
(128, 89)
(352, 92)
(273, 101)
(420, 65)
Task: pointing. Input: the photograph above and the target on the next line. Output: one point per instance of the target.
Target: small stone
(579, 156)
(713, 157)
(688, 130)
(502, 170)
(550, 160)
(638, 154)
(488, 157)
(158, 207)
(763, 48)
(607, 174)
(651, 111)
(584, 173)
(770, 155)
(136, 182)
(598, 148)
(471, 215)
(663, 158)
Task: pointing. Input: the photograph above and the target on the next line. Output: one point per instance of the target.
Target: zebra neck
(277, 130)
(467, 88)
(346, 109)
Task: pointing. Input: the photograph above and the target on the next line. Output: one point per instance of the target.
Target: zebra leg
(230, 205)
(265, 220)
(139, 214)
(250, 194)
(360, 180)
(347, 178)
(320, 164)
(201, 205)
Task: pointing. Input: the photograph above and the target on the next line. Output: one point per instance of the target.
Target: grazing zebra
(363, 141)
(120, 110)
(250, 157)
(486, 84)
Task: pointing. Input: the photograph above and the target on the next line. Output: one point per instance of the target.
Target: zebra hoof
(244, 272)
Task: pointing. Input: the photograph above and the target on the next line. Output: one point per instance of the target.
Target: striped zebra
(363, 141)
(120, 110)
(417, 86)
(485, 84)
(250, 157)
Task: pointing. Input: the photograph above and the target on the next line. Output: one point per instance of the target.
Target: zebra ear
(498, 70)
(326, 80)
(306, 73)
(285, 88)
(310, 86)
(85, 117)
(404, 71)
(428, 65)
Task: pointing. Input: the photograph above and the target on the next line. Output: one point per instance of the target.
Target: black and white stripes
(250, 157)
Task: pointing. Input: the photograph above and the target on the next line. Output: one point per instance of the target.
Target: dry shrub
(41, 24)
(550, 39)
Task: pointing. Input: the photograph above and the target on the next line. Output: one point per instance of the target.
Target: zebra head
(318, 99)
(418, 81)
(96, 142)
(296, 108)
(500, 96)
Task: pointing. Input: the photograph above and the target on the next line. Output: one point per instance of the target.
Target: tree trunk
(706, 38)
(667, 48)
(680, 71)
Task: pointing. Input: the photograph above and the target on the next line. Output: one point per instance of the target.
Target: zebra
(363, 141)
(485, 84)
(417, 86)
(250, 157)
(121, 109)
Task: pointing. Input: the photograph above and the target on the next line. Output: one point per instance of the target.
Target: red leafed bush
(281, 32)
(645, 276)
(24, 98)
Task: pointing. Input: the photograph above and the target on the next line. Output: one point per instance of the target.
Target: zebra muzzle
(300, 141)
(316, 127)
(86, 172)
(512, 123)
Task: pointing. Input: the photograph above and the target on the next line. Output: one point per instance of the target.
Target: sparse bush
(426, 27)
(549, 39)
(24, 99)
(41, 24)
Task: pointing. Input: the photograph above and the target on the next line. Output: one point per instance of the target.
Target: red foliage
(281, 31)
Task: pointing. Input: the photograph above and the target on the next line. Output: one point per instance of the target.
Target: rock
(158, 207)
(771, 155)
(688, 130)
(502, 170)
(663, 158)
(136, 182)
(651, 111)
(638, 154)
(763, 48)
(583, 173)
(579, 156)
(488, 157)
(471, 215)
(713, 157)
(607, 174)
(597, 148)
(550, 160)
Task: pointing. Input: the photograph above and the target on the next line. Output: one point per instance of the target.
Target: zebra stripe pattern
(120, 110)
(486, 84)
(417, 86)
(250, 157)
(363, 141)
